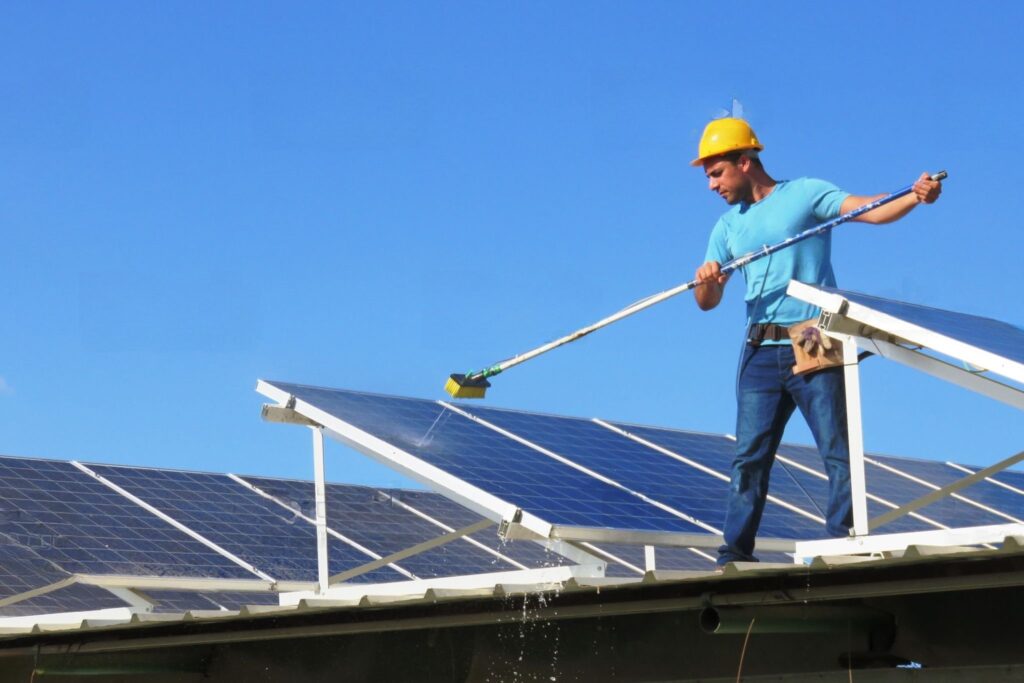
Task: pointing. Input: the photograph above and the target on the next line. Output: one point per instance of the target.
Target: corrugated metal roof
(915, 562)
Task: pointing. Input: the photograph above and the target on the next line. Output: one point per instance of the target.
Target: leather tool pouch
(812, 349)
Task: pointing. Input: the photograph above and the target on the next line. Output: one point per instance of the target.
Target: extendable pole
(474, 384)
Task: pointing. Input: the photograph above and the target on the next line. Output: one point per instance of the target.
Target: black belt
(761, 332)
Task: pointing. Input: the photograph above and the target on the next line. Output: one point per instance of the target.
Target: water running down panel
(492, 464)
(454, 516)
(241, 521)
(375, 521)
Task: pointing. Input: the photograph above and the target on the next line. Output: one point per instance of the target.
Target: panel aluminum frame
(869, 324)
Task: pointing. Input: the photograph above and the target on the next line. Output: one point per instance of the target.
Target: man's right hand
(711, 282)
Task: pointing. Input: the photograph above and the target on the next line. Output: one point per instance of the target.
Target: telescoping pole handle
(728, 267)
(740, 261)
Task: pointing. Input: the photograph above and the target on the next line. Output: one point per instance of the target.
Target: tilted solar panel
(714, 453)
(898, 490)
(183, 601)
(242, 522)
(996, 337)
(23, 570)
(69, 518)
(495, 464)
(1005, 504)
(455, 516)
(372, 519)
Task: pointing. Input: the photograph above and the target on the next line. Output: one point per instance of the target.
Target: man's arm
(712, 284)
(926, 191)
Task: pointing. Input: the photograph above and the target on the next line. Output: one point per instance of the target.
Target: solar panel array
(591, 473)
(56, 519)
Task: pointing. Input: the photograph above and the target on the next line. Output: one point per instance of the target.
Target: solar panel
(373, 519)
(715, 452)
(489, 462)
(71, 519)
(183, 601)
(23, 570)
(994, 336)
(982, 342)
(1011, 481)
(1006, 505)
(678, 471)
(242, 522)
(675, 559)
(455, 516)
(73, 598)
(900, 490)
(797, 462)
(532, 555)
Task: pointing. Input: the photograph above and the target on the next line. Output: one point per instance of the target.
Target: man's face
(727, 179)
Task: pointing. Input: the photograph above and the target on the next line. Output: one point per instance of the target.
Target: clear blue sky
(373, 195)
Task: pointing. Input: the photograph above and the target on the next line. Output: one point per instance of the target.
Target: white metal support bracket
(409, 552)
(855, 432)
(320, 496)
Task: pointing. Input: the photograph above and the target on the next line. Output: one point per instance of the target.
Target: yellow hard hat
(722, 136)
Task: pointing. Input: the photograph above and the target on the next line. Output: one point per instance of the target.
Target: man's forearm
(708, 295)
(887, 213)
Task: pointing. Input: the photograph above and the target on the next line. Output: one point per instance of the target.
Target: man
(766, 211)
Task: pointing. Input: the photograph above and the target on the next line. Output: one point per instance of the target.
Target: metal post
(320, 496)
(855, 432)
(649, 561)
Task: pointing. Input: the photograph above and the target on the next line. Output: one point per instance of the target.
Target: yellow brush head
(460, 387)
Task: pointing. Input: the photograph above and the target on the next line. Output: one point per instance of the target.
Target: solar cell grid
(22, 569)
(665, 558)
(455, 516)
(371, 519)
(73, 598)
(483, 458)
(183, 601)
(640, 468)
(899, 490)
(716, 452)
(239, 520)
(939, 474)
(1012, 478)
(994, 336)
(70, 519)
(816, 486)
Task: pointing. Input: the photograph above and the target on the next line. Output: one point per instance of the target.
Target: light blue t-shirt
(792, 207)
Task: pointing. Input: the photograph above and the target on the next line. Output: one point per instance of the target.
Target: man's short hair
(751, 154)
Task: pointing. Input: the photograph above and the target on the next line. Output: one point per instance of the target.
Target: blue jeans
(767, 393)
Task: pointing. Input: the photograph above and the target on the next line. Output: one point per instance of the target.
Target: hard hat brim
(699, 161)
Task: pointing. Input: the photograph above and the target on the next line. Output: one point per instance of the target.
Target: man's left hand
(927, 190)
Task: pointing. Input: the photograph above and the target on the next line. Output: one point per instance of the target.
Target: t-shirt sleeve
(825, 198)
(718, 248)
